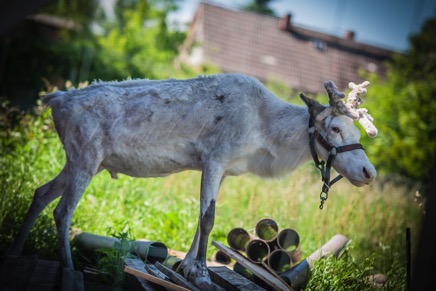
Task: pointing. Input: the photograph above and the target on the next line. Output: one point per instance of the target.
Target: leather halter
(324, 167)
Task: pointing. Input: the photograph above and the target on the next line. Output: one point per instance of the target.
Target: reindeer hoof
(204, 285)
(198, 275)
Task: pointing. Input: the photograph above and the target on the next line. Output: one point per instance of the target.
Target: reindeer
(222, 125)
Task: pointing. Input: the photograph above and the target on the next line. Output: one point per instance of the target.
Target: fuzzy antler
(336, 100)
(353, 103)
(351, 108)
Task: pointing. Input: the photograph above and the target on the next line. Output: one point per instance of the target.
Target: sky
(384, 23)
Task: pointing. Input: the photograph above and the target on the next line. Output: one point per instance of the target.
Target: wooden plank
(72, 280)
(154, 279)
(15, 272)
(179, 279)
(232, 281)
(137, 283)
(275, 274)
(44, 276)
(134, 283)
(175, 277)
(92, 275)
(155, 272)
(261, 273)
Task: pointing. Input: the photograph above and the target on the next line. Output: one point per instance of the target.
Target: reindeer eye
(336, 129)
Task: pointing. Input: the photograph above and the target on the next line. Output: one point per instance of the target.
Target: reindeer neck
(287, 132)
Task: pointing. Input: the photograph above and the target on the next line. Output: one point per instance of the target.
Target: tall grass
(166, 209)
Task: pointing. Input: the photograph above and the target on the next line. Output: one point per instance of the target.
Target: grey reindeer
(222, 125)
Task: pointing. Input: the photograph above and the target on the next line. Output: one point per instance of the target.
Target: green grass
(166, 209)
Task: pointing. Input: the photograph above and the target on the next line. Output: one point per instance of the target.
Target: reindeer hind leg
(42, 197)
(79, 177)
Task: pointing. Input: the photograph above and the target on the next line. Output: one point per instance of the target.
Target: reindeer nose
(366, 174)
(369, 174)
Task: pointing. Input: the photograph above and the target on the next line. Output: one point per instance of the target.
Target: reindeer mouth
(358, 183)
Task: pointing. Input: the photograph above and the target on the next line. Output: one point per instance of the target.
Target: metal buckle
(333, 151)
(323, 198)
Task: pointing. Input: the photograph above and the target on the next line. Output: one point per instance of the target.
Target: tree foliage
(259, 6)
(136, 44)
(405, 110)
(132, 41)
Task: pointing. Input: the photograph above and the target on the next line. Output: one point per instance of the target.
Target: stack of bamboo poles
(269, 252)
(278, 249)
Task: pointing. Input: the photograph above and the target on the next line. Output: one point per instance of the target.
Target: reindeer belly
(154, 163)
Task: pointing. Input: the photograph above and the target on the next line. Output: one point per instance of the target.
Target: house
(272, 48)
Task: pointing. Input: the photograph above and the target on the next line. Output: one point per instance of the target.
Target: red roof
(252, 43)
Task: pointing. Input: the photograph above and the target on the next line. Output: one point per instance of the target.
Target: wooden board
(15, 272)
(260, 272)
(232, 281)
(135, 283)
(175, 277)
(151, 269)
(44, 276)
(179, 279)
(72, 280)
(154, 279)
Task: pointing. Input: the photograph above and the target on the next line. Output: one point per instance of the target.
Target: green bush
(403, 106)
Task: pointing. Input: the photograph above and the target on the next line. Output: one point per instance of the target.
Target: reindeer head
(335, 131)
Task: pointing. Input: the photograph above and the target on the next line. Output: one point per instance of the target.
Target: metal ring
(323, 198)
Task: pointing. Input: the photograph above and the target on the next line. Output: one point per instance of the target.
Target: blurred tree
(137, 43)
(260, 6)
(405, 111)
(82, 40)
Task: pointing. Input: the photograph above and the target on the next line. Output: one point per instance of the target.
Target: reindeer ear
(314, 106)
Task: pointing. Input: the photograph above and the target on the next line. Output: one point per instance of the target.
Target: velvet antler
(351, 108)
(353, 103)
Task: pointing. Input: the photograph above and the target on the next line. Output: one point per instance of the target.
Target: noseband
(324, 167)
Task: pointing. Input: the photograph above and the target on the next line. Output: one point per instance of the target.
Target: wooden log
(333, 247)
(261, 273)
(154, 279)
(232, 281)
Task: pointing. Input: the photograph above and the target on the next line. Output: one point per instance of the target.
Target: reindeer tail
(50, 98)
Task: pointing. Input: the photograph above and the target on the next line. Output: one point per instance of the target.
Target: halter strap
(324, 167)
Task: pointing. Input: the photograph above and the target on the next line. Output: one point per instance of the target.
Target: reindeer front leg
(194, 265)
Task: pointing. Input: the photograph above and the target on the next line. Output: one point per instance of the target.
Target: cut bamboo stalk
(298, 276)
(267, 229)
(238, 238)
(149, 251)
